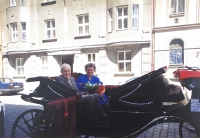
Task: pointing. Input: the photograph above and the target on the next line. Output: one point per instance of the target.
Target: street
(14, 106)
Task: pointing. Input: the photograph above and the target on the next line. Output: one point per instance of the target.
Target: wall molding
(177, 27)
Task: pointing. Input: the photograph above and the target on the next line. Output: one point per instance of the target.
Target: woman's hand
(101, 93)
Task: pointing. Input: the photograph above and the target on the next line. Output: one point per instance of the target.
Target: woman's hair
(90, 65)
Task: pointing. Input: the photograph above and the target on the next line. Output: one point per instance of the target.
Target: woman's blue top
(84, 79)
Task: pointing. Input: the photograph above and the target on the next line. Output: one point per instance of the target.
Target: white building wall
(54, 66)
(105, 45)
(191, 48)
(102, 71)
(186, 28)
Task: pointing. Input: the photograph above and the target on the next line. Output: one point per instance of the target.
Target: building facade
(39, 35)
(176, 32)
(0, 49)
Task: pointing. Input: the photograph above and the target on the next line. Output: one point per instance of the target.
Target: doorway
(69, 59)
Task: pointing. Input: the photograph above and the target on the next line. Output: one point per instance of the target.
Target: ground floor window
(19, 66)
(124, 61)
(91, 57)
(44, 65)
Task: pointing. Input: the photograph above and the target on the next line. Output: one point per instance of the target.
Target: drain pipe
(153, 35)
(65, 21)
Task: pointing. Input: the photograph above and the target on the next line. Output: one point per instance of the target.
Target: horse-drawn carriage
(134, 107)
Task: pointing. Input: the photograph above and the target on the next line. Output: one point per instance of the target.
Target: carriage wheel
(29, 124)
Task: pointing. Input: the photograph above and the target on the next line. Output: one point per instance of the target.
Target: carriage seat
(155, 89)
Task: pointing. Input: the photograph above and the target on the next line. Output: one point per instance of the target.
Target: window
(122, 17)
(135, 16)
(124, 61)
(176, 52)
(110, 20)
(91, 57)
(44, 65)
(50, 29)
(12, 2)
(23, 29)
(14, 32)
(19, 66)
(83, 24)
(177, 6)
(22, 2)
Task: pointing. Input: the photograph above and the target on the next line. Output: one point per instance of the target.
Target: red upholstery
(61, 117)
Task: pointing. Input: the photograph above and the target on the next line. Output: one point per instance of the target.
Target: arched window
(176, 52)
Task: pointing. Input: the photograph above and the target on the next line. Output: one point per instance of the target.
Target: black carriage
(133, 107)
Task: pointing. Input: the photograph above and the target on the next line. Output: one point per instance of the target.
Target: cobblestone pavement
(14, 106)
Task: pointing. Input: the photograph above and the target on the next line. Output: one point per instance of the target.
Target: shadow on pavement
(12, 111)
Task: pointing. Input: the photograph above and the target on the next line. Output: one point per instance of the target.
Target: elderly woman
(88, 102)
(90, 68)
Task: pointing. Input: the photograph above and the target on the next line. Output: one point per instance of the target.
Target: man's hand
(84, 93)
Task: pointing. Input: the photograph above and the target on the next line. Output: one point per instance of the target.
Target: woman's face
(90, 71)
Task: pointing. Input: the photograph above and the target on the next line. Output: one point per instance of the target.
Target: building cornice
(177, 27)
(74, 47)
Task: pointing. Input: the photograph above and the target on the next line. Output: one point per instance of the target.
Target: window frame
(177, 7)
(83, 25)
(24, 3)
(110, 20)
(135, 16)
(23, 32)
(124, 61)
(93, 57)
(182, 53)
(178, 46)
(13, 3)
(51, 29)
(19, 67)
(13, 31)
(123, 17)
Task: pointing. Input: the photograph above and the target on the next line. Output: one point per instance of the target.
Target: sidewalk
(167, 130)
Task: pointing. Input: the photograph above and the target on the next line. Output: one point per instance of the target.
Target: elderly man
(88, 103)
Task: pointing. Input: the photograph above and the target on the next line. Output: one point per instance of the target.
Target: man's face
(90, 71)
(66, 72)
